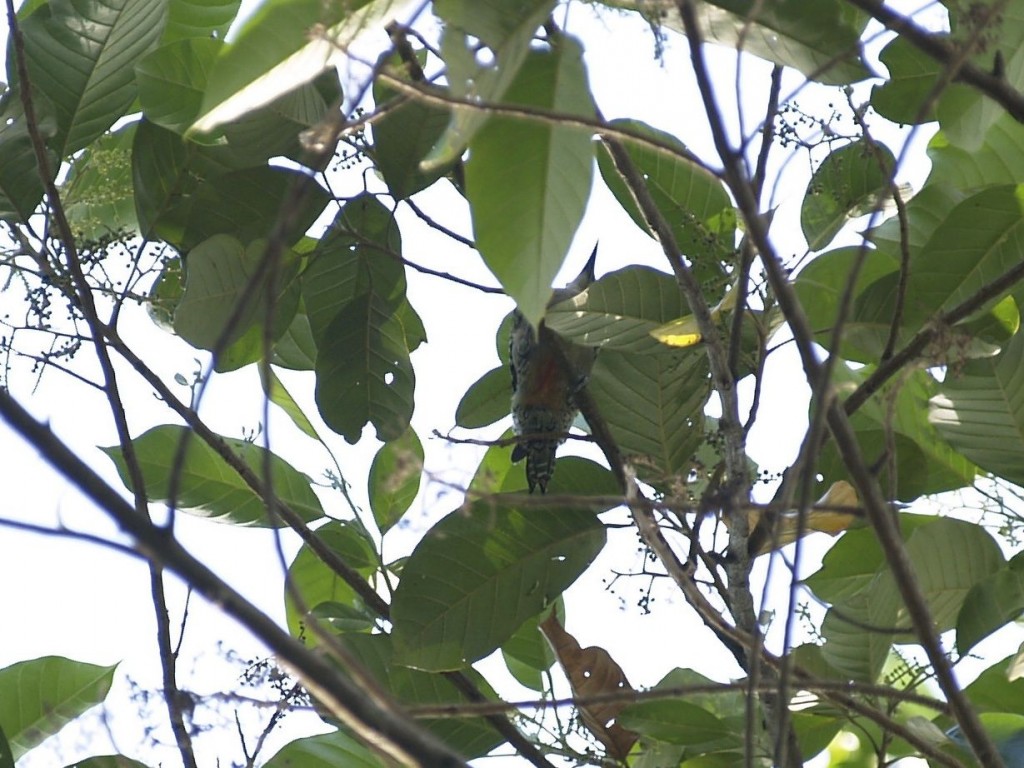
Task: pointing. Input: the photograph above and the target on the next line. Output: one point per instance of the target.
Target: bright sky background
(68, 598)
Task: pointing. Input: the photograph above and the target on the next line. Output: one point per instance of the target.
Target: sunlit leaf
(394, 480)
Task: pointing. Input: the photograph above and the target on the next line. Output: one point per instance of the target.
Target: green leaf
(171, 81)
(912, 76)
(858, 636)
(274, 53)
(81, 55)
(679, 722)
(199, 18)
(990, 605)
(654, 406)
(363, 372)
(98, 196)
(247, 204)
(528, 183)
(219, 277)
(821, 39)
(470, 737)
(279, 395)
(620, 310)
(296, 349)
(481, 572)
(405, 134)
(486, 401)
(999, 160)
(693, 201)
(507, 28)
(358, 257)
(39, 697)
(980, 410)
(6, 757)
(207, 485)
(846, 185)
(327, 750)
(395, 476)
(991, 691)
(312, 584)
(21, 188)
(109, 761)
(527, 653)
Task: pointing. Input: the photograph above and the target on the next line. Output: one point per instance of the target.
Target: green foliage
(43, 695)
(271, 205)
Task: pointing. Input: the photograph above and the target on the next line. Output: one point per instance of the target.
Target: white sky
(68, 598)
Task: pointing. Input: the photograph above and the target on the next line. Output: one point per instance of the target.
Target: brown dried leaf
(592, 671)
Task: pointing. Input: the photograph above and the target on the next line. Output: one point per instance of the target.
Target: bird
(543, 388)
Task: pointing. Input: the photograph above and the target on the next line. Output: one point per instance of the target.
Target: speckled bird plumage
(543, 390)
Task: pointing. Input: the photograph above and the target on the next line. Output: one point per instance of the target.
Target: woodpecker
(543, 389)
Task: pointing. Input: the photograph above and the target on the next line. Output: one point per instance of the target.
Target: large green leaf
(507, 28)
(21, 187)
(39, 697)
(481, 572)
(980, 410)
(620, 310)
(98, 196)
(847, 184)
(679, 722)
(207, 485)
(81, 56)
(405, 134)
(220, 276)
(171, 80)
(326, 750)
(315, 592)
(693, 201)
(999, 160)
(654, 406)
(990, 605)
(820, 39)
(912, 76)
(470, 737)
(528, 183)
(199, 18)
(363, 371)
(359, 256)
(274, 53)
(395, 475)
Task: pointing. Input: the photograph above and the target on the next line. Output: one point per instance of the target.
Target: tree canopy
(261, 183)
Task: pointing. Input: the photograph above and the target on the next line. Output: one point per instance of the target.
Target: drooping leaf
(847, 184)
(313, 588)
(395, 475)
(507, 29)
(481, 572)
(207, 485)
(527, 653)
(980, 410)
(41, 696)
(592, 672)
(620, 310)
(528, 183)
(693, 201)
(81, 57)
(279, 395)
(363, 371)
